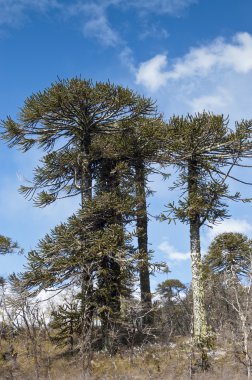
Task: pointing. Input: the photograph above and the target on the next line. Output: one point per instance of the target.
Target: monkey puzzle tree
(170, 288)
(91, 242)
(228, 266)
(230, 253)
(138, 146)
(204, 151)
(143, 143)
(64, 120)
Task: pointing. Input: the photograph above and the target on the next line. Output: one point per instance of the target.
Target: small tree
(66, 324)
(174, 303)
(229, 253)
(229, 259)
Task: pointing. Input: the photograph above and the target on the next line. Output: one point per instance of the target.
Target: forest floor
(154, 361)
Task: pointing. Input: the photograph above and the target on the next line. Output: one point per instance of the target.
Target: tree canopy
(229, 253)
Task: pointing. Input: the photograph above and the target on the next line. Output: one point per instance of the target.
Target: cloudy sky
(189, 55)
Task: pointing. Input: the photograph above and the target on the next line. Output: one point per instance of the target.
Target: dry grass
(156, 362)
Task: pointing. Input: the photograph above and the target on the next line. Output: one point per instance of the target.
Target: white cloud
(153, 31)
(93, 15)
(199, 62)
(230, 225)
(151, 73)
(95, 21)
(161, 6)
(215, 102)
(172, 253)
(127, 59)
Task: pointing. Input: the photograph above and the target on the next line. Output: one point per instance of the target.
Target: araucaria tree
(68, 120)
(204, 151)
(139, 147)
(229, 253)
(228, 263)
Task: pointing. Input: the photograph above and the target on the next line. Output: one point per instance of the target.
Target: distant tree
(170, 288)
(228, 267)
(229, 252)
(174, 312)
(204, 151)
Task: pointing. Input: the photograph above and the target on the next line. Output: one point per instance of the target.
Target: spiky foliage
(79, 243)
(66, 324)
(7, 245)
(137, 146)
(71, 109)
(65, 120)
(69, 114)
(91, 251)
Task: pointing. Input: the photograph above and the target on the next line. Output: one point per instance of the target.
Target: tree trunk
(246, 344)
(142, 237)
(110, 282)
(200, 329)
(199, 314)
(87, 278)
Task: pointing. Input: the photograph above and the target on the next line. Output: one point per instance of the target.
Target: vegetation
(100, 143)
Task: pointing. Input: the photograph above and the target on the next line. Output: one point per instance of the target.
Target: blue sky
(189, 55)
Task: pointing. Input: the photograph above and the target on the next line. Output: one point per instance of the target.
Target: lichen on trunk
(200, 328)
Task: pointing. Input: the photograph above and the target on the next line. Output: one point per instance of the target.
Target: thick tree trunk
(142, 237)
(199, 314)
(87, 308)
(200, 329)
(110, 282)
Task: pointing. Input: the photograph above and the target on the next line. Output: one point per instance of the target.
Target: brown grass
(156, 362)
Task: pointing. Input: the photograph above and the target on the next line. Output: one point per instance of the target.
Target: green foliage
(204, 150)
(100, 142)
(79, 243)
(8, 246)
(170, 288)
(66, 324)
(70, 108)
(229, 253)
(72, 113)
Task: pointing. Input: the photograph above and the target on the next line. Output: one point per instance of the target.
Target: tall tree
(204, 151)
(64, 120)
(138, 146)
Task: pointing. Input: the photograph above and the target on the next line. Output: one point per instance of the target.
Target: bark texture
(142, 237)
(200, 329)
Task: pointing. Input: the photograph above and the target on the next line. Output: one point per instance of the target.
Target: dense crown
(230, 253)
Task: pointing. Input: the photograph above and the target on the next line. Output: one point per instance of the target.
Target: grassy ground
(157, 362)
